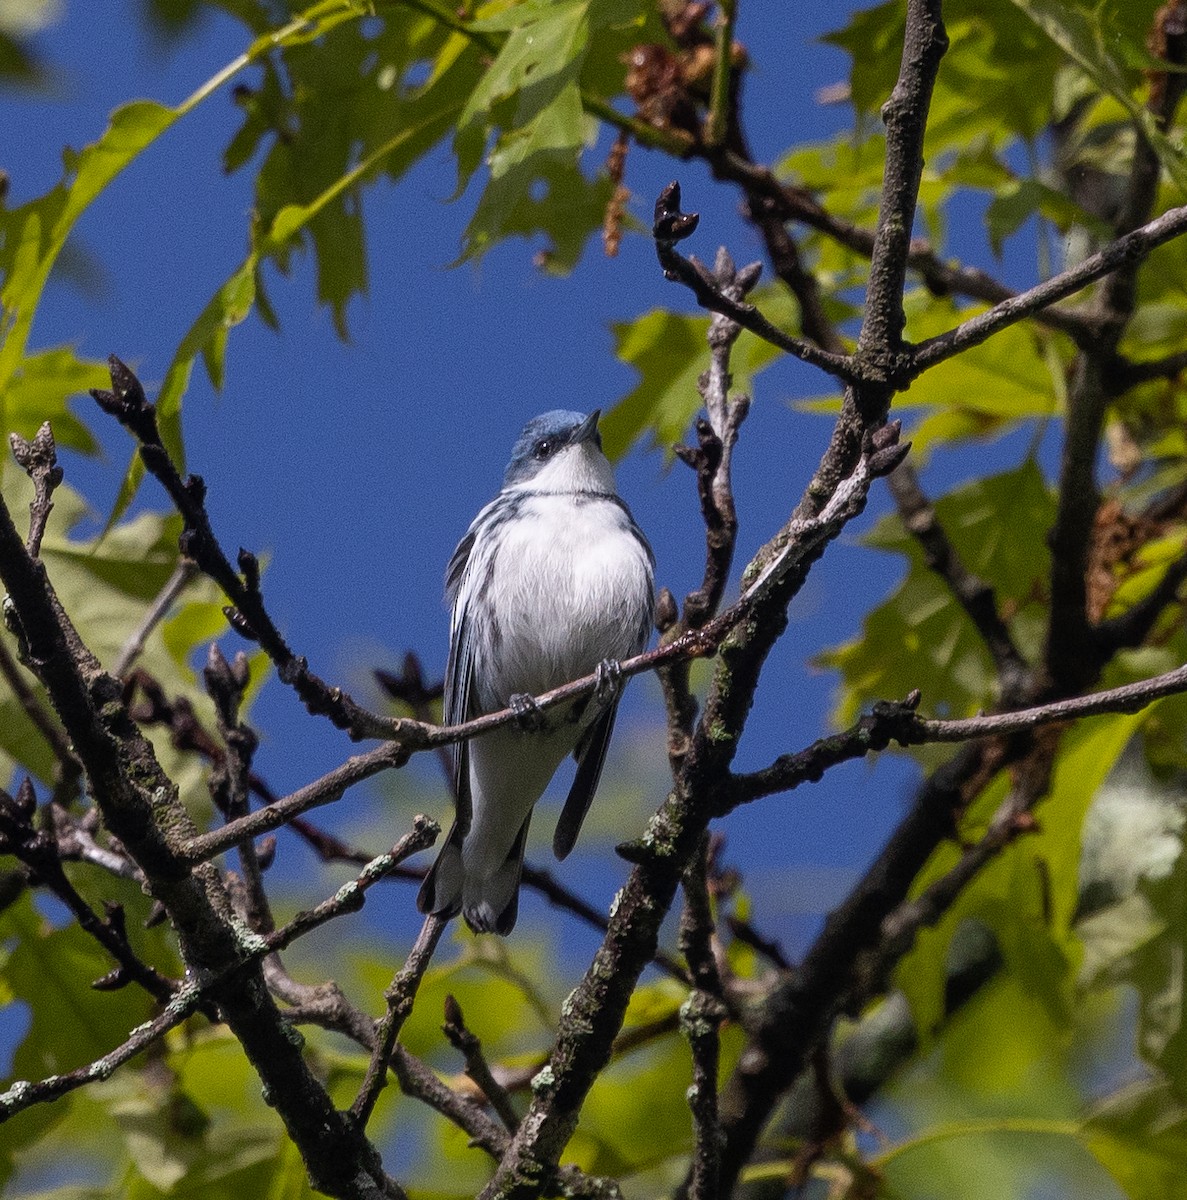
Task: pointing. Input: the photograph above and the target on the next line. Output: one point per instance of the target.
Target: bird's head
(560, 451)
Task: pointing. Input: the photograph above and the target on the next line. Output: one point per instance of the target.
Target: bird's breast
(571, 585)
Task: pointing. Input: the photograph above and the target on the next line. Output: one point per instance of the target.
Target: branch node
(666, 612)
(634, 852)
(112, 981)
(672, 225)
(26, 799)
(239, 623)
(39, 460)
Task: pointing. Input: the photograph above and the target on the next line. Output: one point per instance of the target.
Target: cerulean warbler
(553, 581)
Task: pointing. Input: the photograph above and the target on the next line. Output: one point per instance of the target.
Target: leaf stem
(1049, 1127)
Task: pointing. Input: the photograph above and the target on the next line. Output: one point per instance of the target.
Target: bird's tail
(441, 891)
(490, 904)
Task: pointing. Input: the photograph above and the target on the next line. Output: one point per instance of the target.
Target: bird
(552, 582)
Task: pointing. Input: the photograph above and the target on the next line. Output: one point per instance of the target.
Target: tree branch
(131, 650)
(770, 198)
(38, 851)
(39, 460)
(400, 997)
(1119, 255)
(23, 1093)
(899, 722)
(1071, 656)
(671, 226)
(974, 595)
(717, 437)
(879, 345)
(468, 1044)
(595, 1009)
(191, 996)
(701, 1016)
(141, 807)
(248, 615)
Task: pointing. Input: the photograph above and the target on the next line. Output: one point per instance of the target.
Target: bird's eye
(542, 449)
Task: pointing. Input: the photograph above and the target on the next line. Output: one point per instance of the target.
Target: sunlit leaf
(920, 637)
(1140, 1136)
(669, 351)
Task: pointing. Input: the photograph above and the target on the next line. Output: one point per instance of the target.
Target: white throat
(579, 468)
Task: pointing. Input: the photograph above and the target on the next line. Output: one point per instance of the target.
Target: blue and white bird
(552, 582)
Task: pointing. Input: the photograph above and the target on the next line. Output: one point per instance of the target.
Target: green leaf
(669, 351)
(546, 42)
(32, 236)
(51, 970)
(1156, 970)
(1027, 896)
(1005, 63)
(1106, 50)
(531, 102)
(920, 637)
(1140, 1137)
(423, 125)
(873, 39)
(536, 186)
(1018, 200)
(106, 586)
(161, 1126)
(1015, 376)
(40, 388)
(207, 336)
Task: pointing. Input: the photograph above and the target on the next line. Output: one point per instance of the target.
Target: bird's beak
(587, 430)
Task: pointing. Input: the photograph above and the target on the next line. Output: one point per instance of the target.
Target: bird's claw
(528, 714)
(609, 683)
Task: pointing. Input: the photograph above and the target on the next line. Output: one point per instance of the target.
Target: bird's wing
(459, 671)
(591, 754)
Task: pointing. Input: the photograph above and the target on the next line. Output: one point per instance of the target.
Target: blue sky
(355, 468)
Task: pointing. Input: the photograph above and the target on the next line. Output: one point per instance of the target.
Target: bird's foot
(609, 683)
(528, 714)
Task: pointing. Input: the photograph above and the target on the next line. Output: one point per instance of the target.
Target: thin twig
(900, 723)
(1123, 374)
(42, 717)
(1124, 252)
(190, 996)
(671, 225)
(247, 614)
(188, 734)
(39, 460)
(230, 780)
(772, 199)
(75, 838)
(350, 896)
(177, 582)
(38, 850)
(400, 997)
(23, 1093)
(973, 594)
(1071, 655)
(717, 436)
(720, 109)
(328, 788)
(418, 1081)
(468, 1044)
(902, 926)
(1130, 629)
(797, 543)
(409, 688)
